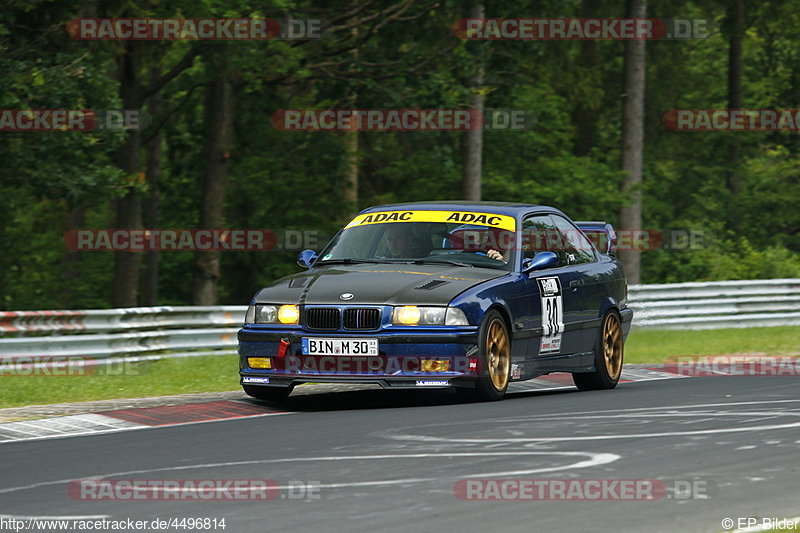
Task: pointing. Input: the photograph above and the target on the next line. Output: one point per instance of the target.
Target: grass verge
(165, 377)
(654, 346)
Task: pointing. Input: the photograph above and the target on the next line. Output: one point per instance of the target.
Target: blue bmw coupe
(469, 295)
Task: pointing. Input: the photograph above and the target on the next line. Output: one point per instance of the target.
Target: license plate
(321, 346)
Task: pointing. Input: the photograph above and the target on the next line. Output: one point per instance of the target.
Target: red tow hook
(283, 345)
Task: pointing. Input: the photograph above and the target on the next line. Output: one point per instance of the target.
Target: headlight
(411, 315)
(289, 314)
(273, 314)
(408, 315)
(266, 314)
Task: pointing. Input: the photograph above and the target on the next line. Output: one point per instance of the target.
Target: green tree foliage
(408, 57)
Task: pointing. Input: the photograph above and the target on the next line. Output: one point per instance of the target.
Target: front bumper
(400, 362)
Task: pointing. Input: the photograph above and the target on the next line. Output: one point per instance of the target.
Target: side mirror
(306, 258)
(540, 261)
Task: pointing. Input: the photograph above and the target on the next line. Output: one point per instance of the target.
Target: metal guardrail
(132, 318)
(144, 333)
(136, 333)
(716, 304)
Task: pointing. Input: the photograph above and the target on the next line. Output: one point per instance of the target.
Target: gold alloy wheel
(612, 346)
(498, 353)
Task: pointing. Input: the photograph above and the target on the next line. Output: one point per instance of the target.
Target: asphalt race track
(389, 460)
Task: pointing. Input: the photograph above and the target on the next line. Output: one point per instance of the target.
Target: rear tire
(608, 355)
(269, 394)
(494, 347)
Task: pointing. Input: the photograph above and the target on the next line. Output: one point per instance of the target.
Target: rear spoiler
(601, 234)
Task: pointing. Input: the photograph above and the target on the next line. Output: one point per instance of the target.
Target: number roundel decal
(552, 314)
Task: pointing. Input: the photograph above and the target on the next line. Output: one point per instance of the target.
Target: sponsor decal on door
(552, 314)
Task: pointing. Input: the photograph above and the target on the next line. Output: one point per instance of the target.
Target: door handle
(575, 283)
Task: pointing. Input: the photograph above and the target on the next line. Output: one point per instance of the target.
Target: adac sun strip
(454, 217)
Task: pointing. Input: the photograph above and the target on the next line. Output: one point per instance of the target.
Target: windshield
(479, 245)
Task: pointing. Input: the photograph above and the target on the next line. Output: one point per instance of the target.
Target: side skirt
(576, 362)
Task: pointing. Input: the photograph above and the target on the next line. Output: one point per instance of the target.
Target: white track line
(116, 425)
(591, 459)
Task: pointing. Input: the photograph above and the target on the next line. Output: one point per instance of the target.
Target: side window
(539, 235)
(576, 247)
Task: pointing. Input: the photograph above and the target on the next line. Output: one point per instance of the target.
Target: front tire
(269, 394)
(494, 347)
(608, 355)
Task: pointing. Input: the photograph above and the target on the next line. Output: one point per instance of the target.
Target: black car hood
(377, 284)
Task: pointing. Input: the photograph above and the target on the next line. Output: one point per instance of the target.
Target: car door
(556, 309)
(584, 287)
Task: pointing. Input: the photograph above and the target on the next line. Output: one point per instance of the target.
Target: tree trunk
(350, 192)
(152, 215)
(585, 114)
(219, 111)
(633, 141)
(473, 139)
(129, 206)
(71, 262)
(735, 96)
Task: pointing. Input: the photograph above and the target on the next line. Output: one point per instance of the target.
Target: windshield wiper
(349, 261)
(440, 262)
